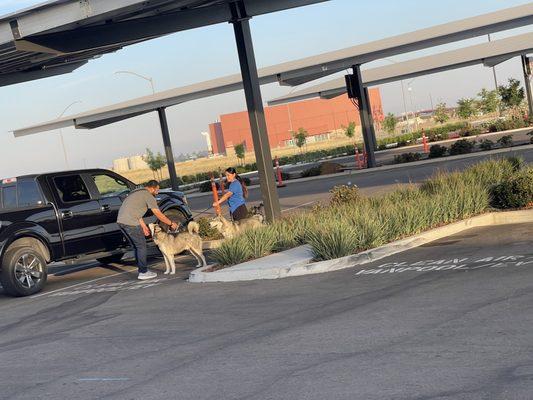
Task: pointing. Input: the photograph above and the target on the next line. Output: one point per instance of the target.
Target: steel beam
(168, 148)
(356, 90)
(256, 113)
(526, 66)
(371, 117)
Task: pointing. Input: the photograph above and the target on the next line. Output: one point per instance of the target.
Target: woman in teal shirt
(235, 195)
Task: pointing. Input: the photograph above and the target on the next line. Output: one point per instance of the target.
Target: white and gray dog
(172, 244)
(230, 229)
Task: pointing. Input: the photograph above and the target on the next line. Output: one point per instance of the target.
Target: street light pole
(403, 97)
(494, 71)
(410, 89)
(61, 133)
(139, 76)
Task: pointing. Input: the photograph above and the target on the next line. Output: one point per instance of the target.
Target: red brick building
(317, 116)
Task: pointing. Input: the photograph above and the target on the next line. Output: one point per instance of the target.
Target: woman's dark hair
(233, 171)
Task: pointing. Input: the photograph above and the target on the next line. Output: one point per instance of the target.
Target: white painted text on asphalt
(465, 264)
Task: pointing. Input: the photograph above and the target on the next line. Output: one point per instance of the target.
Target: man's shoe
(146, 275)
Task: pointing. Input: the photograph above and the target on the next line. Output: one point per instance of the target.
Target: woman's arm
(223, 199)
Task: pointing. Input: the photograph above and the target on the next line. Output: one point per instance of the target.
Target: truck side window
(109, 185)
(9, 196)
(28, 194)
(71, 188)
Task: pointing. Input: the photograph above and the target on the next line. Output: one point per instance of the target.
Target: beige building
(129, 164)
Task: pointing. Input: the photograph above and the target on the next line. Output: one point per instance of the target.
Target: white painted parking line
(114, 287)
(300, 206)
(79, 284)
(103, 379)
(457, 264)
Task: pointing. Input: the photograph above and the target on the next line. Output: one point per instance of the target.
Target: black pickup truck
(67, 216)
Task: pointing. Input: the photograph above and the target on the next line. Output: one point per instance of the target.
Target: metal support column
(527, 81)
(371, 116)
(168, 148)
(354, 86)
(256, 114)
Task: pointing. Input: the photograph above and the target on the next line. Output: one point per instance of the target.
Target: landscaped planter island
(353, 228)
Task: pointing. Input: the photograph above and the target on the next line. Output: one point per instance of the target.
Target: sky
(207, 53)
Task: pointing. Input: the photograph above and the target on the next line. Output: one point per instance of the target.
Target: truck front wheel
(23, 271)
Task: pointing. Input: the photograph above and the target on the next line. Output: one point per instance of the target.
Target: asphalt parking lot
(449, 320)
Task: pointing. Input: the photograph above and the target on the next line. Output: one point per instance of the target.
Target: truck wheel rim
(28, 270)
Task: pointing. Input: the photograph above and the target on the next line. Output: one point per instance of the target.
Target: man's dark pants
(135, 236)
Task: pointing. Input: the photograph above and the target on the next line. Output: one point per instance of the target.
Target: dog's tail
(193, 228)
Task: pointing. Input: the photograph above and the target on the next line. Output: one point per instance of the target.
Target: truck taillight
(9, 180)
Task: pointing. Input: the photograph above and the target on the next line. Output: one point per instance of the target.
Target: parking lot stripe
(79, 284)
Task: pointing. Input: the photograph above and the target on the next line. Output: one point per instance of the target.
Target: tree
(511, 95)
(300, 138)
(349, 130)
(441, 113)
(240, 152)
(155, 162)
(490, 101)
(389, 123)
(467, 108)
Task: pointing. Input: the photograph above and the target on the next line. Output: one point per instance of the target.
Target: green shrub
(333, 240)
(463, 146)
(206, 232)
(469, 130)
(234, 251)
(437, 150)
(206, 186)
(515, 192)
(506, 141)
(348, 226)
(261, 242)
(407, 157)
(313, 171)
(344, 194)
(517, 163)
(486, 145)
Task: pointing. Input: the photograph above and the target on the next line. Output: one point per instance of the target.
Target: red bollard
(278, 171)
(215, 195)
(425, 142)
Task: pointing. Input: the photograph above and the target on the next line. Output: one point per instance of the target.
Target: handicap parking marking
(455, 264)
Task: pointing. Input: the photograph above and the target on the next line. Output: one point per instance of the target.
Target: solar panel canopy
(57, 37)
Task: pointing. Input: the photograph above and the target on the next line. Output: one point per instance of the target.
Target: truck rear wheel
(23, 271)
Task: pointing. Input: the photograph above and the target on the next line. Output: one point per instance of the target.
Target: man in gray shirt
(130, 221)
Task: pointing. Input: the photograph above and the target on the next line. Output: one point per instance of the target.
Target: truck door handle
(67, 214)
(105, 208)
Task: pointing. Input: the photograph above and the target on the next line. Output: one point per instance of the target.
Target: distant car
(66, 216)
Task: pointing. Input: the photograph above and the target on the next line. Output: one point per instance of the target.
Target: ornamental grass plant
(352, 223)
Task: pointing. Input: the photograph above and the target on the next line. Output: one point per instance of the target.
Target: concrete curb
(297, 261)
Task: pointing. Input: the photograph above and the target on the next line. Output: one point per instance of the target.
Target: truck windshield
(109, 185)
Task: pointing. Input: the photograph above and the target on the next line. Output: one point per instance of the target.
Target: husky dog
(258, 210)
(230, 229)
(170, 245)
